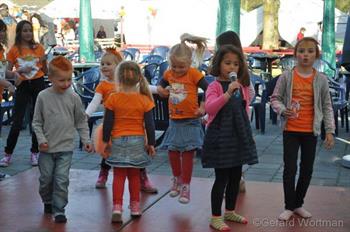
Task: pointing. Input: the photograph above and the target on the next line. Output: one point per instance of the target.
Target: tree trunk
(228, 16)
(271, 34)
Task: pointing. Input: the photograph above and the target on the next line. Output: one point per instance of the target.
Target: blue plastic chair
(127, 55)
(135, 53)
(161, 51)
(162, 68)
(152, 59)
(151, 71)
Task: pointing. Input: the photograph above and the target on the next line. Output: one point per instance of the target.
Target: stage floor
(89, 209)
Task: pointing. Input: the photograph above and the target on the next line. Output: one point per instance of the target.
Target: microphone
(233, 77)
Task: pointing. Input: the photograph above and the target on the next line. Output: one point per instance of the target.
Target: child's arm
(278, 94)
(203, 84)
(162, 89)
(95, 102)
(328, 115)
(150, 132)
(81, 125)
(37, 124)
(214, 99)
(108, 123)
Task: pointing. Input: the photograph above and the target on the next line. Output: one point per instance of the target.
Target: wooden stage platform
(89, 209)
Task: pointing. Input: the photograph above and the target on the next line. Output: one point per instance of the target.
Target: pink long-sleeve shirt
(215, 99)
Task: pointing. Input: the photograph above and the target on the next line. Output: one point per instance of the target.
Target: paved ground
(328, 170)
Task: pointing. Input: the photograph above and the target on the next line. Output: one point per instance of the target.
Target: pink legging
(119, 176)
(182, 164)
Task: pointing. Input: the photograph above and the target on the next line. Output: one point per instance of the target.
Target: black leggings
(225, 178)
(26, 91)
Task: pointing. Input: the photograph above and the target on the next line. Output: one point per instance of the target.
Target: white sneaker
(34, 158)
(285, 215)
(175, 188)
(6, 160)
(302, 212)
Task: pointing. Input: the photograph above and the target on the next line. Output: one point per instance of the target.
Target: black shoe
(2, 175)
(48, 208)
(60, 218)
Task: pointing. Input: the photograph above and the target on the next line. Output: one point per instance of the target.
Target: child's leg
(46, 168)
(291, 143)
(103, 175)
(63, 161)
(232, 190)
(134, 189)
(119, 176)
(175, 163)
(217, 194)
(307, 158)
(187, 166)
(217, 191)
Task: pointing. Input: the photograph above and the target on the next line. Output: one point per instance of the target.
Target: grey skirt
(183, 135)
(129, 151)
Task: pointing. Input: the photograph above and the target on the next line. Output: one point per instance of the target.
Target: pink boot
(102, 179)
(146, 184)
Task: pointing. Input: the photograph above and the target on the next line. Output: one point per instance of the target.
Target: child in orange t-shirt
(302, 98)
(128, 115)
(28, 57)
(185, 133)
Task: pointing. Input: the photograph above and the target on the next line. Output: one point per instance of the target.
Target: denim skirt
(129, 151)
(183, 135)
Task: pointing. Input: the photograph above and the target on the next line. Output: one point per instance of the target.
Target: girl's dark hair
(3, 27)
(243, 74)
(307, 39)
(229, 37)
(18, 38)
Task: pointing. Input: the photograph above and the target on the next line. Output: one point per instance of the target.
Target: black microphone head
(233, 76)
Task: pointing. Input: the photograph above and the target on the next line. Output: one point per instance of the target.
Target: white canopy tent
(198, 17)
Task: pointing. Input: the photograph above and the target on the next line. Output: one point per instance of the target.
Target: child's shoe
(6, 160)
(48, 208)
(34, 159)
(117, 213)
(185, 194)
(146, 184)
(302, 212)
(135, 210)
(218, 223)
(233, 217)
(102, 179)
(285, 215)
(175, 188)
(61, 218)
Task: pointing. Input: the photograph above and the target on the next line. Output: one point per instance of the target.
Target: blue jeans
(54, 179)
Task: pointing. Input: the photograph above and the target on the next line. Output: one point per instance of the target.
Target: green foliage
(343, 5)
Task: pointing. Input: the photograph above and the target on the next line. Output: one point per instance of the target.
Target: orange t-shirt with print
(183, 98)
(28, 57)
(2, 57)
(303, 93)
(105, 88)
(129, 109)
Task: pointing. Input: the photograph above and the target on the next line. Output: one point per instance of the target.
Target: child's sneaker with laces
(6, 160)
(146, 184)
(117, 213)
(135, 210)
(61, 218)
(102, 179)
(185, 194)
(175, 188)
(34, 159)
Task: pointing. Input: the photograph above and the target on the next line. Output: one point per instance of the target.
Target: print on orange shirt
(302, 94)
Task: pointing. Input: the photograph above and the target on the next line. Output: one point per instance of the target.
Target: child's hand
(288, 113)
(11, 89)
(329, 141)
(151, 151)
(43, 147)
(201, 111)
(107, 150)
(163, 92)
(88, 147)
(233, 86)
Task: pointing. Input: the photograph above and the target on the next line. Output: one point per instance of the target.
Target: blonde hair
(117, 57)
(128, 74)
(60, 63)
(183, 52)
